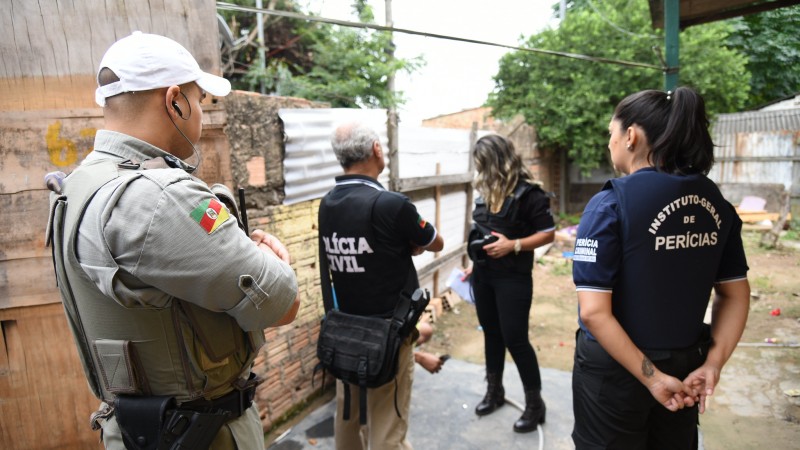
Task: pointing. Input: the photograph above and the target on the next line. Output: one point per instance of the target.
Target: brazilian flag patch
(210, 214)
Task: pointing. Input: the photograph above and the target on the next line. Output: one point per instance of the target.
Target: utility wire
(345, 23)
(617, 27)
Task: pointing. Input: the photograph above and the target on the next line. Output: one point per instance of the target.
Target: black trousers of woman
(613, 410)
(503, 303)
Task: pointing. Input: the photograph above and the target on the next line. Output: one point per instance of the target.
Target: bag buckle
(103, 413)
(362, 370)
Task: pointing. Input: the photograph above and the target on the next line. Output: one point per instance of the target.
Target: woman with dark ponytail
(512, 218)
(651, 247)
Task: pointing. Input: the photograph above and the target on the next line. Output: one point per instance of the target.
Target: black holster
(141, 419)
(190, 430)
(153, 423)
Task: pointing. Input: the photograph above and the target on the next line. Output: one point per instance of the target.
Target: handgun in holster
(156, 423)
(418, 302)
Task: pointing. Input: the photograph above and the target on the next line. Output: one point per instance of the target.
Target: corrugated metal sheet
(310, 166)
(757, 121)
(757, 147)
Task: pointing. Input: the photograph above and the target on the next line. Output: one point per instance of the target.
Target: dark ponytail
(676, 127)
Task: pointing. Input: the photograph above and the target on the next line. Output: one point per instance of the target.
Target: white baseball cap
(148, 61)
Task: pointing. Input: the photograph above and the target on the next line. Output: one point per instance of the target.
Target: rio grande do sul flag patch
(421, 222)
(210, 214)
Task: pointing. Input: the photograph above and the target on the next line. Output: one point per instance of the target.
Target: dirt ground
(751, 407)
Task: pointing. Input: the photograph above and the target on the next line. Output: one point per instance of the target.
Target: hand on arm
(728, 318)
(596, 315)
(503, 246)
(266, 241)
(270, 244)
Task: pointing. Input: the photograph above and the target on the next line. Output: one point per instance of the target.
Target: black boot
(533, 414)
(495, 395)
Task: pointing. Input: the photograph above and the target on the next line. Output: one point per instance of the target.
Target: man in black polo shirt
(367, 237)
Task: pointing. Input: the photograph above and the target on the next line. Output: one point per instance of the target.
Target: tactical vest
(367, 276)
(673, 233)
(509, 222)
(180, 350)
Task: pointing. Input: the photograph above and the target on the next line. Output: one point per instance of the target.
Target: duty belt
(235, 402)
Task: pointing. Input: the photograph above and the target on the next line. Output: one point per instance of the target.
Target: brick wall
(255, 137)
(287, 361)
(463, 119)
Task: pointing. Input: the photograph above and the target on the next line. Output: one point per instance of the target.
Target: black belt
(699, 348)
(235, 402)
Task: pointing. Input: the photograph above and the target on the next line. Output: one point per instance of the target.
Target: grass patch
(761, 283)
(793, 233)
(566, 220)
(558, 266)
(563, 269)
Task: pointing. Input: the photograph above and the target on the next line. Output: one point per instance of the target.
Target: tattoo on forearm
(647, 367)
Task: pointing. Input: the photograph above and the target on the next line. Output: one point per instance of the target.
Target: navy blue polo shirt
(658, 243)
(366, 234)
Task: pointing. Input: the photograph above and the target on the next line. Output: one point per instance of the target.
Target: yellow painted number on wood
(63, 152)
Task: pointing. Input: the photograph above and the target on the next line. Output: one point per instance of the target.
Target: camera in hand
(475, 248)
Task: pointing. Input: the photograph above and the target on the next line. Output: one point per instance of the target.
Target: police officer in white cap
(166, 296)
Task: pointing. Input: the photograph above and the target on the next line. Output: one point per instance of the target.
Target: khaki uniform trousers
(384, 430)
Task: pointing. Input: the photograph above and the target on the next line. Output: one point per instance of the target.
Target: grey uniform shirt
(147, 239)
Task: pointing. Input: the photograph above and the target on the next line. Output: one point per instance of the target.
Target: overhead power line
(617, 27)
(345, 23)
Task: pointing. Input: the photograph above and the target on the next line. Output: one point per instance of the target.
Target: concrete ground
(443, 417)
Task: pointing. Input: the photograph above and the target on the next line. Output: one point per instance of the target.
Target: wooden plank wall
(46, 401)
(50, 50)
(49, 53)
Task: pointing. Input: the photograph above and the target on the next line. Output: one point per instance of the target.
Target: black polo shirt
(366, 237)
(658, 243)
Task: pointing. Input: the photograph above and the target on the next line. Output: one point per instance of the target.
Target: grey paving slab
(442, 414)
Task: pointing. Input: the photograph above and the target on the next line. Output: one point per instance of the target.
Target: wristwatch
(517, 247)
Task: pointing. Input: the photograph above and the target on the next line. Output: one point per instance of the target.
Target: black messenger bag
(363, 351)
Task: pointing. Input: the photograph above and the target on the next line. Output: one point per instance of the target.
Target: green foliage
(793, 233)
(771, 41)
(565, 220)
(285, 47)
(351, 67)
(571, 101)
(346, 67)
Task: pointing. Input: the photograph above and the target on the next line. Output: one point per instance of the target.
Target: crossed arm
(270, 244)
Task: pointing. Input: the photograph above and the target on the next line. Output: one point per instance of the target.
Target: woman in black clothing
(512, 216)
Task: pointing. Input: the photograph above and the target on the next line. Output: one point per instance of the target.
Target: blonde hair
(499, 170)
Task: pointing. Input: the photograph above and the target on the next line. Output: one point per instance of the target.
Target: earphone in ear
(177, 109)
